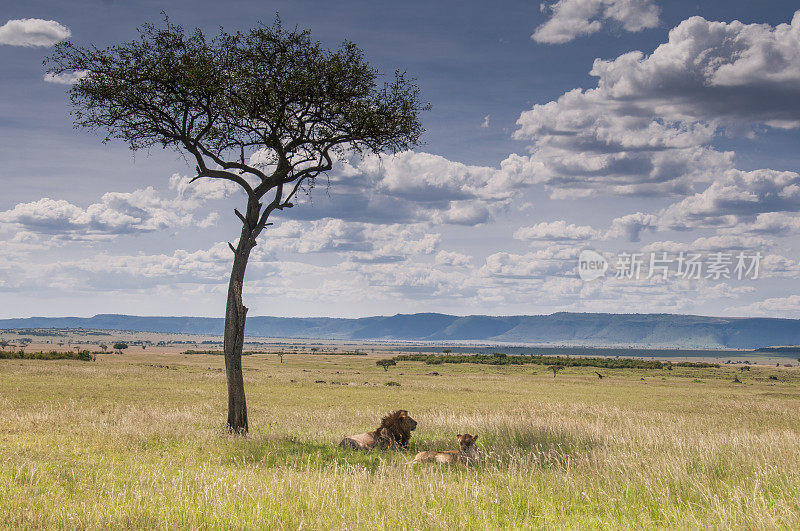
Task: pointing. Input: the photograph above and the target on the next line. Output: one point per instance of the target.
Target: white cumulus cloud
(649, 126)
(718, 71)
(143, 210)
(556, 231)
(67, 78)
(772, 307)
(357, 241)
(33, 32)
(631, 226)
(413, 187)
(737, 196)
(573, 18)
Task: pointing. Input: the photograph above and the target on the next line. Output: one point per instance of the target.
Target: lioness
(394, 432)
(466, 454)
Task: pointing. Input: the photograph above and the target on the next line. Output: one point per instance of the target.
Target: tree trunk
(235, 315)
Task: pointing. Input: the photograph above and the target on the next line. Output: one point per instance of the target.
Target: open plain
(138, 439)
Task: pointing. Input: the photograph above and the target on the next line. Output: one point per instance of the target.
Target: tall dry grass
(129, 443)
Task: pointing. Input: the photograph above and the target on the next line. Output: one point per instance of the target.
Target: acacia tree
(268, 109)
(386, 363)
(120, 346)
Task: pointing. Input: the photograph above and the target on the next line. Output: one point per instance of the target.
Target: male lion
(465, 455)
(394, 432)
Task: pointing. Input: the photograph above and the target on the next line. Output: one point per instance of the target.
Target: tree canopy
(268, 109)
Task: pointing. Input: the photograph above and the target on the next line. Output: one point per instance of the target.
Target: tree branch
(240, 216)
(204, 171)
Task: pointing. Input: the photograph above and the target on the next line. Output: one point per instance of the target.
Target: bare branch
(228, 165)
(204, 171)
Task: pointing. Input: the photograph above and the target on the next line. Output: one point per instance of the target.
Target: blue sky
(549, 134)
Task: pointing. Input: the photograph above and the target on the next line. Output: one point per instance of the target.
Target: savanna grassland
(138, 440)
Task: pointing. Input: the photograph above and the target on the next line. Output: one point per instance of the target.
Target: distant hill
(590, 329)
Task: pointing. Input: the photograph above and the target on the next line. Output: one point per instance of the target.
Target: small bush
(392, 384)
(698, 364)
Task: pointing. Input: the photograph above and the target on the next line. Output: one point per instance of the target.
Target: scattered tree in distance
(120, 346)
(386, 363)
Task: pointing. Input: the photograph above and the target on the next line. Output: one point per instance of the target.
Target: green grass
(138, 441)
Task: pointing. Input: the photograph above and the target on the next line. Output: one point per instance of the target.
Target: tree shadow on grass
(543, 447)
(289, 451)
